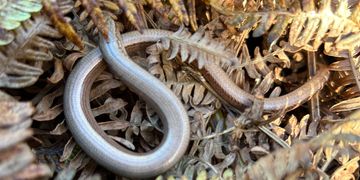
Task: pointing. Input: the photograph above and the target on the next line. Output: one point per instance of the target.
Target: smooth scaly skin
(219, 80)
(241, 99)
(123, 162)
(97, 144)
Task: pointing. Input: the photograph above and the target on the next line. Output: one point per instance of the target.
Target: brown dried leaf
(58, 72)
(124, 142)
(68, 149)
(88, 172)
(79, 161)
(71, 59)
(114, 125)
(49, 114)
(104, 87)
(59, 129)
(110, 105)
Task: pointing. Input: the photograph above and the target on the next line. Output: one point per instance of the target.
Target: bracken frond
(299, 156)
(95, 23)
(12, 13)
(132, 14)
(199, 46)
(53, 11)
(92, 8)
(309, 25)
(21, 61)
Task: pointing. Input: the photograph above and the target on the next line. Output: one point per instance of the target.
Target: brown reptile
(124, 162)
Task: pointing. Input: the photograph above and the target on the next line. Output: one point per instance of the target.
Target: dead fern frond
(347, 131)
(180, 10)
(12, 13)
(309, 26)
(106, 7)
(345, 82)
(181, 82)
(178, 13)
(6, 37)
(92, 8)
(53, 11)
(298, 159)
(199, 46)
(158, 6)
(21, 61)
(15, 156)
(132, 14)
(346, 105)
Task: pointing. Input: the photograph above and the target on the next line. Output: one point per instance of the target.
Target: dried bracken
(15, 156)
(21, 61)
(307, 20)
(52, 9)
(198, 46)
(267, 48)
(92, 8)
(12, 13)
(132, 14)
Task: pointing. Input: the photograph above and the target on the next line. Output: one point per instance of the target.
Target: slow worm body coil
(175, 120)
(98, 145)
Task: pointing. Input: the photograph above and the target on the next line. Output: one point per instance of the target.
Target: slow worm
(218, 79)
(97, 144)
(124, 162)
(241, 99)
